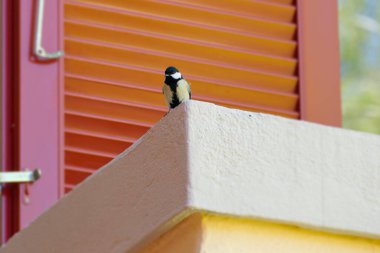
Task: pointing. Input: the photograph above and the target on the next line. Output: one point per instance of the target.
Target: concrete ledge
(203, 157)
(268, 167)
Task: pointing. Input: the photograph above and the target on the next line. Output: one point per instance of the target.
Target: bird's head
(172, 73)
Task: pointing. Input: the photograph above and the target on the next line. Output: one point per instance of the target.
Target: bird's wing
(167, 94)
(189, 89)
(183, 90)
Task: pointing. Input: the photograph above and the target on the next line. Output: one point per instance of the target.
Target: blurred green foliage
(359, 26)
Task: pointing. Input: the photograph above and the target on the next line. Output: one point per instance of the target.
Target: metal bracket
(18, 177)
(38, 51)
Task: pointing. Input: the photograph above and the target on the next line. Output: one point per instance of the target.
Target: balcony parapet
(206, 158)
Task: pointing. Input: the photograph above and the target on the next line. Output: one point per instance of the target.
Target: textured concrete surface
(297, 172)
(203, 157)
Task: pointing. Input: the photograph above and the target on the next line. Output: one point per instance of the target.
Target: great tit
(176, 89)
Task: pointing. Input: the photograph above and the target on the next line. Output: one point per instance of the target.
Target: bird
(175, 89)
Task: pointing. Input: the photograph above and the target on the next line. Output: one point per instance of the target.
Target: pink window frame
(38, 111)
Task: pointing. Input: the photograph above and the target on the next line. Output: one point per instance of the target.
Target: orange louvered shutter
(240, 54)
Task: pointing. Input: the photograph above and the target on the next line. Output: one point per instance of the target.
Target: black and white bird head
(172, 74)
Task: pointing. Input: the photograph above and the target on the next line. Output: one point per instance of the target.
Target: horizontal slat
(88, 32)
(68, 188)
(74, 177)
(246, 97)
(95, 144)
(131, 76)
(78, 168)
(116, 91)
(197, 16)
(284, 2)
(158, 110)
(263, 9)
(96, 116)
(85, 160)
(104, 126)
(253, 108)
(90, 152)
(99, 135)
(115, 109)
(153, 76)
(147, 24)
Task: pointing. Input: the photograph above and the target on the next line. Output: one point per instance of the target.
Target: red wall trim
(319, 66)
(9, 193)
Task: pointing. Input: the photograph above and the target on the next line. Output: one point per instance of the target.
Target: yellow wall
(186, 237)
(210, 233)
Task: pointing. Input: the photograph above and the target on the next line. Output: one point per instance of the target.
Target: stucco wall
(206, 158)
(263, 166)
